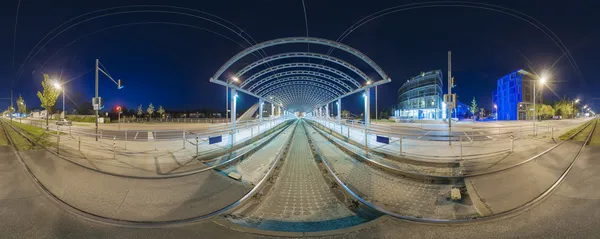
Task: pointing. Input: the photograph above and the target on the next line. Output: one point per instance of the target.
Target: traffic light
(97, 106)
(118, 109)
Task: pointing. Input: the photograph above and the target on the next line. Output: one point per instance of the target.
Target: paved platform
(254, 168)
(400, 195)
(300, 195)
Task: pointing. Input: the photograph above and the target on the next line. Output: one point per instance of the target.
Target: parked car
(557, 117)
(64, 122)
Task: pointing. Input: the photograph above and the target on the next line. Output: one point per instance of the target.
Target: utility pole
(450, 105)
(11, 106)
(376, 109)
(97, 106)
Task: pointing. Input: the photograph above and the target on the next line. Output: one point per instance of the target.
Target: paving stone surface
(397, 194)
(254, 168)
(300, 193)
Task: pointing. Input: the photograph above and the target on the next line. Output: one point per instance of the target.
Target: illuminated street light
(58, 87)
(235, 79)
(368, 82)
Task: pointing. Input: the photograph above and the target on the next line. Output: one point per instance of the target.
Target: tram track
(66, 206)
(509, 213)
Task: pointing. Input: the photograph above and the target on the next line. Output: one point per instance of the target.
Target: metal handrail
(175, 175)
(120, 222)
(529, 204)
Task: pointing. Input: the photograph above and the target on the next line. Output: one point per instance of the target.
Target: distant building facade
(422, 97)
(514, 96)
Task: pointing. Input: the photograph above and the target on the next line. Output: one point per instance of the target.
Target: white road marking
(136, 133)
(425, 134)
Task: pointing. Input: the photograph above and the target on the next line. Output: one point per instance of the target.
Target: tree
(21, 106)
(140, 112)
(48, 98)
(160, 111)
(563, 108)
(473, 108)
(345, 113)
(150, 111)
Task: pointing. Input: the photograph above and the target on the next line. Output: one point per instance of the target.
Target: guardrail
(503, 214)
(110, 149)
(152, 224)
(366, 137)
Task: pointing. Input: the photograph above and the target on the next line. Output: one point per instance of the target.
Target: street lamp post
(573, 107)
(496, 115)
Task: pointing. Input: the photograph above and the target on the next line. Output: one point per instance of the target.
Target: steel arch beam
(302, 55)
(295, 73)
(301, 78)
(298, 83)
(306, 96)
(301, 65)
(310, 40)
(315, 92)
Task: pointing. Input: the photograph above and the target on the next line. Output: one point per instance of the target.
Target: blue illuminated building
(514, 96)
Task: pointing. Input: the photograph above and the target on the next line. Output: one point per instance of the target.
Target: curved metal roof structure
(300, 85)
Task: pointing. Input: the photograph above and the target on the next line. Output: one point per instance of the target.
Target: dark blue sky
(171, 65)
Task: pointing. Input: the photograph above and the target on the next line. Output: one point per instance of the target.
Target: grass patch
(20, 142)
(595, 140)
(37, 134)
(3, 139)
(87, 119)
(567, 135)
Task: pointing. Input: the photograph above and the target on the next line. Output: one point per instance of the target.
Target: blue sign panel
(383, 139)
(214, 140)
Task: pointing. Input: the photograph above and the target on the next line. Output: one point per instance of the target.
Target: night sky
(170, 65)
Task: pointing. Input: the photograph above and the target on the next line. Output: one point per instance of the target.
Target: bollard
(183, 139)
(197, 145)
(552, 133)
(114, 147)
(461, 147)
(79, 143)
(348, 128)
(57, 139)
(512, 142)
(366, 143)
(401, 137)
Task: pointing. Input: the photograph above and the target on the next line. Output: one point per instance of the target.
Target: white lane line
(136, 133)
(468, 136)
(425, 134)
(150, 135)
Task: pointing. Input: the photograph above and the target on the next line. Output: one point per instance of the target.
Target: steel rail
(504, 214)
(271, 136)
(147, 224)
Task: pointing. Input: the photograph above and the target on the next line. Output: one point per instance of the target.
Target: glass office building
(421, 97)
(514, 96)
